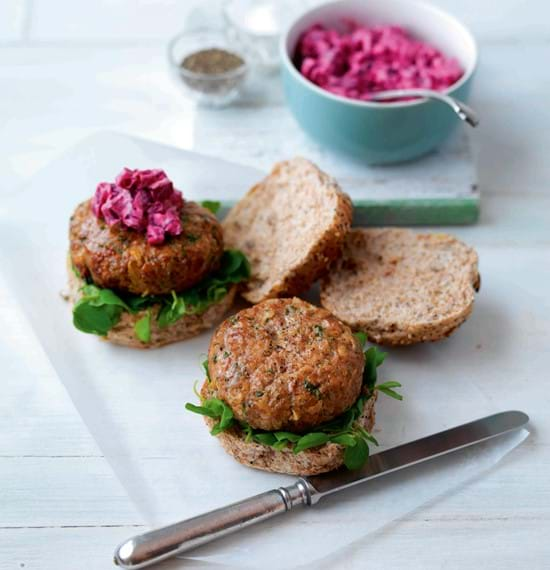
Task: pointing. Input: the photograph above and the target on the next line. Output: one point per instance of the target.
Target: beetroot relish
(363, 60)
(141, 200)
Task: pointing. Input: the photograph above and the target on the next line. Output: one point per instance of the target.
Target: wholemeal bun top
(402, 287)
(285, 365)
(291, 226)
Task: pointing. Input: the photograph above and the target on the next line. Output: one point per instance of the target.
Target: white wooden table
(69, 68)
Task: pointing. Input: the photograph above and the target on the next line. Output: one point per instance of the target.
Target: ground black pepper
(213, 72)
(212, 61)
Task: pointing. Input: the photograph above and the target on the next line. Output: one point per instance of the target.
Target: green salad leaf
(172, 311)
(211, 205)
(217, 409)
(356, 455)
(312, 439)
(361, 337)
(386, 388)
(143, 328)
(344, 430)
(99, 310)
(234, 268)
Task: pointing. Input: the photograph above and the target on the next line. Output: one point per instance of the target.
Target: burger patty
(285, 365)
(119, 258)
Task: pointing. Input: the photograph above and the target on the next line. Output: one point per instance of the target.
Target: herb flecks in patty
(312, 389)
(276, 343)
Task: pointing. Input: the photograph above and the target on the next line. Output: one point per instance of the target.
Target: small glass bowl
(257, 26)
(214, 90)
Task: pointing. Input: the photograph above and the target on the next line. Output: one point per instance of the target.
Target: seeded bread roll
(402, 287)
(291, 226)
(312, 461)
(188, 326)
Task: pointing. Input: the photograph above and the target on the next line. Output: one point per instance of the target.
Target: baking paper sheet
(133, 401)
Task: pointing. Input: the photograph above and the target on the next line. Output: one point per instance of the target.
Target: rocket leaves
(99, 310)
(212, 205)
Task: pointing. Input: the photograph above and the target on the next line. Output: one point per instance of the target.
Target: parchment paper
(133, 401)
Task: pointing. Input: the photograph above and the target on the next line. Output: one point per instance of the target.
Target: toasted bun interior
(402, 287)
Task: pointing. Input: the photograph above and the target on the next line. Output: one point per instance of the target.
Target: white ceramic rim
(287, 62)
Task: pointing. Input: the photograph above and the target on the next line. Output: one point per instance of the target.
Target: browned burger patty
(285, 365)
(119, 258)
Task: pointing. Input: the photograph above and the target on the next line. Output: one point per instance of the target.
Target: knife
(157, 545)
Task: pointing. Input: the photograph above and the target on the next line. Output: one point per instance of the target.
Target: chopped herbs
(99, 310)
(318, 329)
(312, 389)
(344, 430)
(192, 238)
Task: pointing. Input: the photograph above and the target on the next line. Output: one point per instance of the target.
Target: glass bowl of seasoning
(210, 69)
(257, 26)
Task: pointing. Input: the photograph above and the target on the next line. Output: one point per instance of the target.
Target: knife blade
(154, 546)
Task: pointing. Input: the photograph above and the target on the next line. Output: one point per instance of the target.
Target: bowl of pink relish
(336, 56)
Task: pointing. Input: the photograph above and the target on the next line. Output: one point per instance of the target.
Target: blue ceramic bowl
(379, 133)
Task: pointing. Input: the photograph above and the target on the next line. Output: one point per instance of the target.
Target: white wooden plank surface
(13, 20)
(51, 473)
(418, 543)
(148, 19)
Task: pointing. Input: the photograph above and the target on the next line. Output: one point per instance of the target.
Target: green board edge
(410, 212)
(416, 212)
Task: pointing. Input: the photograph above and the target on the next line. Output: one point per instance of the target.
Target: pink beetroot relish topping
(363, 60)
(141, 200)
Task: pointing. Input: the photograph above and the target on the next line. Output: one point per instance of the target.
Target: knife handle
(156, 545)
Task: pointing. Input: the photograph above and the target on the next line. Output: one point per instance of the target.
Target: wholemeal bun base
(309, 462)
(187, 327)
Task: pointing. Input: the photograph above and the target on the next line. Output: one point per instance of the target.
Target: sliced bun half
(291, 226)
(402, 287)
